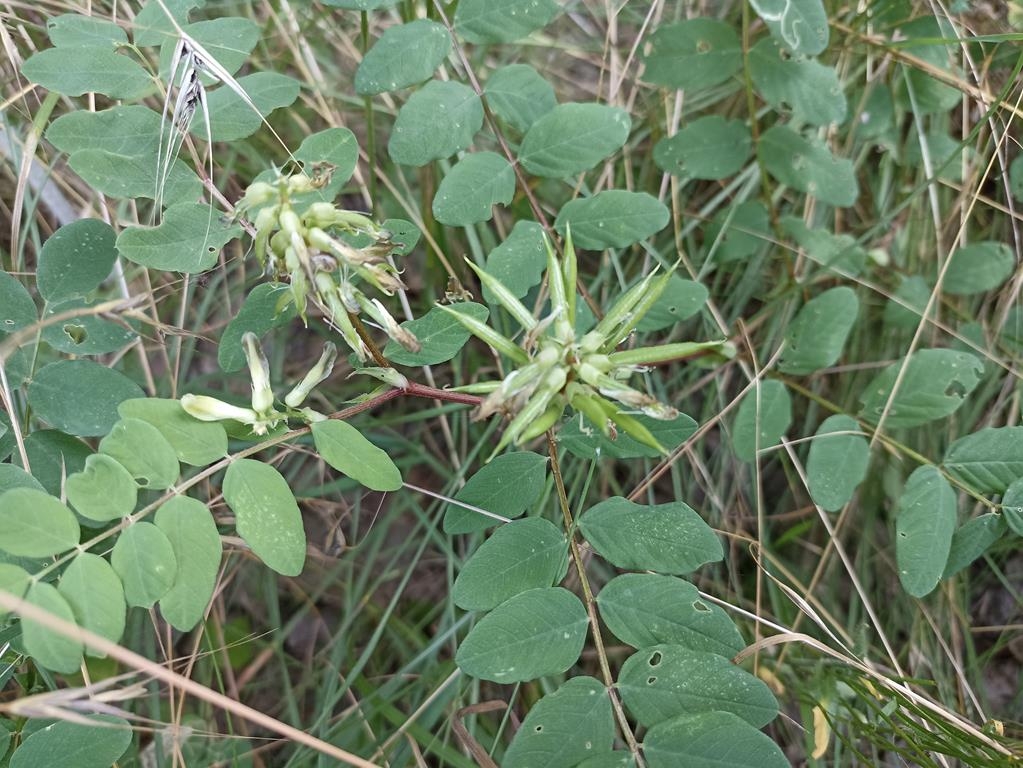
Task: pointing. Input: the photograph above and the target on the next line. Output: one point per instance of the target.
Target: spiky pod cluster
(556, 367)
(309, 246)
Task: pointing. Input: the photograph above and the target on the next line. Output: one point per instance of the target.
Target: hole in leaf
(655, 659)
(143, 482)
(76, 333)
(651, 680)
(701, 606)
(703, 46)
(955, 389)
(538, 729)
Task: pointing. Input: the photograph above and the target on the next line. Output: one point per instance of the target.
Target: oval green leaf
(667, 538)
(35, 524)
(972, 539)
(194, 442)
(13, 579)
(73, 29)
(76, 259)
(680, 300)
(76, 744)
(77, 70)
(760, 425)
(519, 262)
(989, 460)
(484, 21)
(644, 609)
(801, 25)
(614, 218)
(837, 464)
(710, 740)
(536, 633)
(53, 456)
(193, 535)
(437, 121)
(80, 396)
(935, 383)
(472, 188)
(144, 559)
(978, 268)
(232, 118)
(573, 138)
(49, 648)
(666, 681)
(519, 95)
(440, 335)
(141, 449)
(808, 166)
(819, 331)
(521, 555)
(94, 592)
(268, 306)
(710, 147)
(17, 310)
(789, 81)
(87, 334)
(564, 727)
(692, 54)
(347, 450)
(925, 520)
(103, 490)
(586, 442)
(266, 515)
(404, 55)
(507, 486)
(188, 239)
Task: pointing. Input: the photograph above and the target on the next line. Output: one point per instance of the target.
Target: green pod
(506, 298)
(489, 336)
(545, 421)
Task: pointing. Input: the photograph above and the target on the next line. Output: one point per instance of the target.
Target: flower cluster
(556, 367)
(310, 246)
(264, 415)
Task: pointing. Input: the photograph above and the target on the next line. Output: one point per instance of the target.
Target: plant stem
(591, 605)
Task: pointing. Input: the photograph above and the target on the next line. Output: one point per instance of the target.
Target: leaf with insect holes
(404, 55)
(437, 121)
(925, 521)
(815, 338)
(103, 490)
(692, 54)
(88, 333)
(188, 239)
(789, 81)
(232, 118)
(614, 218)
(710, 147)
(144, 452)
(484, 21)
(17, 310)
(680, 300)
(988, 460)
(567, 725)
(72, 29)
(807, 165)
(801, 25)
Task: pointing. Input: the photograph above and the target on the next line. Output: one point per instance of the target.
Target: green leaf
(75, 259)
(789, 81)
(710, 147)
(95, 595)
(144, 452)
(1012, 507)
(337, 146)
(573, 138)
(519, 262)
(801, 25)
(538, 632)
(519, 95)
(666, 681)
(837, 462)
(267, 306)
(35, 524)
(972, 539)
(53, 455)
(837, 252)
(188, 239)
(912, 291)
(816, 336)
(925, 520)
(49, 648)
(152, 24)
(192, 533)
(17, 310)
(521, 555)
(616, 759)
(16, 580)
(472, 188)
(144, 559)
(232, 118)
(74, 71)
(1016, 178)
(989, 460)
(437, 121)
(667, 538)
(76, 744)
(194, 442)
(565, 726)
(85, 334)
(440, 335)
(359, 5)
(73, 29)
(15, 477)
(103, 490)
(680, 300)
(134, 175)
(693, 54)
(347, 450)
(404, 55)
(507, 486)
(738, 232)
(710, 740)
(935, 42)
(978, 268)
(760, 425)
(644, 609)
(946, 154)
(807, 165)
(484, 21)
(266, 515)
(228, 39)
(935, 383)
(613, 218)
(587, 442)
